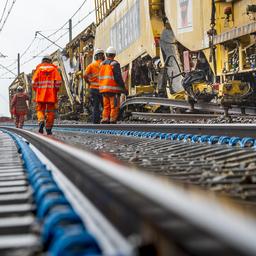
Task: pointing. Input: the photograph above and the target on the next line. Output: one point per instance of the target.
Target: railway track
(165, 117)
(172, 118)
(239, 130)
(194, 154)
(181, 104)
(117, 208)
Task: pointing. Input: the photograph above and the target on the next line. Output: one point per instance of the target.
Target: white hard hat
(98, 51)
(47, 57)
(19, 88)
(111, 50)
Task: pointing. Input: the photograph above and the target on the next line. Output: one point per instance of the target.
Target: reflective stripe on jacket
(107, 79)
(46, 82)
(92, 74)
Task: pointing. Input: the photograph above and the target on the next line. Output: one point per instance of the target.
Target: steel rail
(159, 214)
(170, 116)
(202, 106)
(240, 130)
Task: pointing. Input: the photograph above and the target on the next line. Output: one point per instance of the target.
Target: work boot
(41, 127)
(104, 122)
(49, 131)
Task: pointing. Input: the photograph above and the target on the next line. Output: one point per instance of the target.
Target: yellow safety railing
(103, 8)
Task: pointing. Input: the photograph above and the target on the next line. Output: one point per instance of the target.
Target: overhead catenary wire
(9, 71)
(55, 31)
(7, 16)
(15, 62)
(59, 29)
(50, 45)
(7, 78)
(61, 36)
(5, 7)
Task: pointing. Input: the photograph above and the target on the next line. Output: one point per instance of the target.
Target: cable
(89, 13)
(22, 54)
(9, 71)
(7, 16)
(84, 2)
(6, 3)
(29, 46)
(42, 51)
(7, 78)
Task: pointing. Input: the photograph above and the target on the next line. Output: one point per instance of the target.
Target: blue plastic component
(195, 138)
(156, 135)
(224, 140)
(49, 203)
(168, 136)
(204, 138)
(247, 140)
(234, 141)
(33, 177)
(213, 139)
(67, 244)
(45, 191)
(64, 218)
(42, 181)
(174, 136)
(181, 136)
(151, 134)
(188, 137)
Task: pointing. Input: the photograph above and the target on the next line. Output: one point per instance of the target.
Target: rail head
(153, 201)
(240, 130)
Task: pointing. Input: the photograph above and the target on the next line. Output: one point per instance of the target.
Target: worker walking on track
(91, 76)
(19, 106)
(111, 87)
(46, 82)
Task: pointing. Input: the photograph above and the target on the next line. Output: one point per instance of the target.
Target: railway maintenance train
(199, 50)
(187, 50)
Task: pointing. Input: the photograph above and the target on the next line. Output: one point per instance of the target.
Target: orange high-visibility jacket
(92, 74)
(46, 82)
(107, 79)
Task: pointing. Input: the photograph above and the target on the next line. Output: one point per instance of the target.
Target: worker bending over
(111, 87)
(19, 106)
(46, 82)
(91, 76)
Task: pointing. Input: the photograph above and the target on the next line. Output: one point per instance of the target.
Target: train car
(225, 33)
(193, 49)
(133, 28)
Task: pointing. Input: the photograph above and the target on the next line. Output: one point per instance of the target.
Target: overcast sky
(27, 17)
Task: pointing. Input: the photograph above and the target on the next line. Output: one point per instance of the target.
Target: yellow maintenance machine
(201, 50)
(72, 62)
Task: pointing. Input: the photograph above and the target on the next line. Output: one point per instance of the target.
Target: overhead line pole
(70, 30)
(18, 64)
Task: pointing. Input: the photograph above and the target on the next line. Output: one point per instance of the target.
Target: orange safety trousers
(46, 112)
(111, 107)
